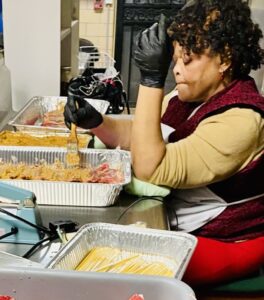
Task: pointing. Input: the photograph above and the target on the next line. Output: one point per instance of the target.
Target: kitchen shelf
(65, 32)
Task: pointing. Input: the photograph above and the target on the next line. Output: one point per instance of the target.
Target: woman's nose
(176, 68)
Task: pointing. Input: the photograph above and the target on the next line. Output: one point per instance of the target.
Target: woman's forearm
(114, 132)
(147, 145)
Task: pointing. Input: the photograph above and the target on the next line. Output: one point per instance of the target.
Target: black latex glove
(153, 54)
(85, 116)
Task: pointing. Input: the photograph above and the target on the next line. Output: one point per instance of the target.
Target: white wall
(32, 48)
(98, 26)
(257, 4)
(5, 83)
(257, 8)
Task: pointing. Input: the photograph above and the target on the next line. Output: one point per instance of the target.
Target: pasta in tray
(114, 260)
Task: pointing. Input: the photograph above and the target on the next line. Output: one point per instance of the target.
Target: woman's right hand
(153, 54)
(81, 113)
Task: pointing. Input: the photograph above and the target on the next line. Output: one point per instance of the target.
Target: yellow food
(107, 259)
(53, 172)
(9, 138)
(58, 172)
(73, 159)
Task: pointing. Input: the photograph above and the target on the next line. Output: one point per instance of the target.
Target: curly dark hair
(223, 26)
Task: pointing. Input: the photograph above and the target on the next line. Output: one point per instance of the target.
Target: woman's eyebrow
(175, 57)
(177, 53)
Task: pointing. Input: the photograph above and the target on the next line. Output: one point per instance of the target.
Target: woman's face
(198, 77)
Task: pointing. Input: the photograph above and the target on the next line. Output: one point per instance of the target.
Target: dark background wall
(133, 16)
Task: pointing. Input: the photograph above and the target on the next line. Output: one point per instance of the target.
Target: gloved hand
(85, 116)
(153, 54)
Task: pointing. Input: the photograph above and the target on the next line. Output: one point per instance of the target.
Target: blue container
(1, 17)
(1, 23)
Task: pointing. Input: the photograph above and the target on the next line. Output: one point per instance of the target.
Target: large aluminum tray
(30, 117)
(70, 193)
(8, 260)
(27, 284)
(175, 246)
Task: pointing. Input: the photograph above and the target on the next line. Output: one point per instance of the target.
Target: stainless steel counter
(148, 212)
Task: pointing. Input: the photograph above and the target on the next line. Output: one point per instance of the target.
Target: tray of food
(27, 284)
(101, 247)
(44, 114)
(53, 139)
(96, 182)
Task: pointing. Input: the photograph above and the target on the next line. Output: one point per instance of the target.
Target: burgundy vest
(242, 221)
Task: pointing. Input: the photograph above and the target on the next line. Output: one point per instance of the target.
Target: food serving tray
(8, 260)
(28, 284)
(31, 117)
(176, 246)
(69, 193)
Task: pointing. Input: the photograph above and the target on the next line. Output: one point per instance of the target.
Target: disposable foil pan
(176, 246)
(8, 260)
(28, 284)
(31, 117)
(70, 193)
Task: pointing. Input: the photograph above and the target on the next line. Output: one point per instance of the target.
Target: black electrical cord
(56, 229)
(127, 208)
(39, 243)
(155, 198)
(14, 230)
(173, 210)
(41, 228)
(126, 102)
(52, 233)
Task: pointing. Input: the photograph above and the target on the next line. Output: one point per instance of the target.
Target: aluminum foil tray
(28, 284)
(175, 246)
(8, 260)
(70, 193)
(30, 118)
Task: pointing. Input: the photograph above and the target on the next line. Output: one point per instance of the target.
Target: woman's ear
(225, 71)
(225, 61)
(224, 66)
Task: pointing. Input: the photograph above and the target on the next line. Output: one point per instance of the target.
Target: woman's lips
(178, 85)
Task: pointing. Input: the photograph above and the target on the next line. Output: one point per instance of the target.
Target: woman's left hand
(153, 53)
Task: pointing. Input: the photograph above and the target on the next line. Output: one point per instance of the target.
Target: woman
(214, 158)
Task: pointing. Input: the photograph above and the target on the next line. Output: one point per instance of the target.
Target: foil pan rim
(14, 121)
(188, 242)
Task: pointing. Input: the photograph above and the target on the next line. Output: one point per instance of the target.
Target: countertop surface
(127, 210)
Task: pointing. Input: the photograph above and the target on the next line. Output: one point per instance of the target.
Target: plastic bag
(96, 85)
